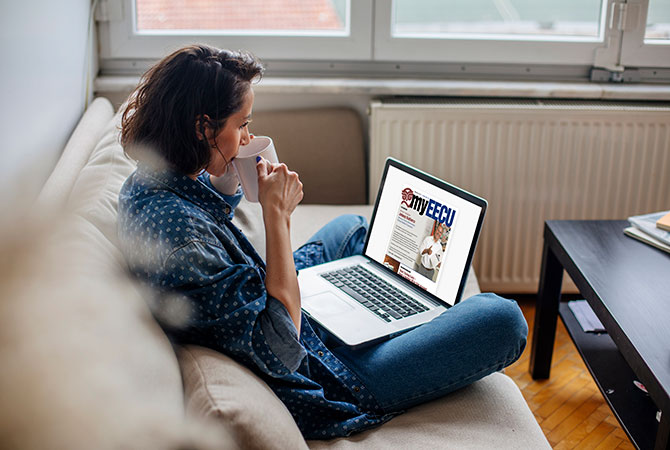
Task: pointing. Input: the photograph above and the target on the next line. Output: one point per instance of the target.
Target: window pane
(658, 21)
(256, 16)
(439, 18)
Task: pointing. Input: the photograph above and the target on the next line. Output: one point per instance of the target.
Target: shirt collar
(195, 191)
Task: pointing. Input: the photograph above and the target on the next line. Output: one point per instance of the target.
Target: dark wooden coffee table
(627, 284)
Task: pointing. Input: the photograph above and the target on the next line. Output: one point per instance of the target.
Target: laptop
(414, 265)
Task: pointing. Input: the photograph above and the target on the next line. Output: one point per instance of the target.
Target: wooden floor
(568, 406)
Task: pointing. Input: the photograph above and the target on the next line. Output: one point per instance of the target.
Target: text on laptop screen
(423, 233)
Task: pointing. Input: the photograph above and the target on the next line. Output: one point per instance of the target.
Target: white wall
(42, 88)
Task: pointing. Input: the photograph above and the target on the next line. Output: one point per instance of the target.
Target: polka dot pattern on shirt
(177, 235)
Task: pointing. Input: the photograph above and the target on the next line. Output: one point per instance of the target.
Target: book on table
(664, 222)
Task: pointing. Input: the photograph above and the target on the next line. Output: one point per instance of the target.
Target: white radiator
(533, 160)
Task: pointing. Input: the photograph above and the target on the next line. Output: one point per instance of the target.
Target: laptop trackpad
(327, 303)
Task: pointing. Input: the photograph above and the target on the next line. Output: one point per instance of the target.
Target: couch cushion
(305, 221)
(84, 364)
(216, 386)
(83, 140)
(95, 192)
(490, 413)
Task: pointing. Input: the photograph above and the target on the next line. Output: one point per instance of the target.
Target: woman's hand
(279, 189)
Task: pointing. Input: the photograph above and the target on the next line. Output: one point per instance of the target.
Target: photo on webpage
(420, 238)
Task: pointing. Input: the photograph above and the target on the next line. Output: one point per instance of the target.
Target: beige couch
(86, 366)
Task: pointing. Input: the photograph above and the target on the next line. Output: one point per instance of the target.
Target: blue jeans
(470, 340)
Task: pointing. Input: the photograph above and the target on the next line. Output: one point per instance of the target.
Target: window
(491, 31)
(272, 29)
(501, 19)
(381, 34)
(646, 35)
(658, 22)
(270, 18)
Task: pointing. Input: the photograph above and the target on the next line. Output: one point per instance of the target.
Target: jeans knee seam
(345, 241)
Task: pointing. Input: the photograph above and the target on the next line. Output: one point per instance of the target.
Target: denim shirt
(176, 234)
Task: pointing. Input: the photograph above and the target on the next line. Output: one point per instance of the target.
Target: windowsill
(450, 88)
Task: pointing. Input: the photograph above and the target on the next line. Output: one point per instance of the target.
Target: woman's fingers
(263, 166)
(295, 183)
(279, 186)
(260, 167)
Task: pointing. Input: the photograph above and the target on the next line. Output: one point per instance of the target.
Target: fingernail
(258, 158)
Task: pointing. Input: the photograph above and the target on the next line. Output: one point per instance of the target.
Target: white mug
(245, 164)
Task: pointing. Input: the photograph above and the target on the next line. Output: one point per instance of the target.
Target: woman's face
(226, 145)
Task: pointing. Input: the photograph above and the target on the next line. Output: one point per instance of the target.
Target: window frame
(370, 49)
(635, 51)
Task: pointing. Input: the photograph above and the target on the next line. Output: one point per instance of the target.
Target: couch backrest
(325, 146)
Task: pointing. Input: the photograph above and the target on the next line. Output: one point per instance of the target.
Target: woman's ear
(202, 128)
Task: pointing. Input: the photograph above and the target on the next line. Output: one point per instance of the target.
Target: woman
(184, 124)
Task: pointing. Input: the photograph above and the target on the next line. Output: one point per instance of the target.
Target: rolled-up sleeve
(281, 334)
(230, 309)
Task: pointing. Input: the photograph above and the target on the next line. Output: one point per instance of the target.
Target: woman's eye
(244, 125)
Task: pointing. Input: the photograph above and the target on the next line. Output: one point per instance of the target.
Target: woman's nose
(246, 137)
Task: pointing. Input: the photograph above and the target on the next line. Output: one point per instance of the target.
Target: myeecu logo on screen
(429, 207)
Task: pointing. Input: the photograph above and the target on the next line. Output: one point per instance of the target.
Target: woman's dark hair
(175, 95)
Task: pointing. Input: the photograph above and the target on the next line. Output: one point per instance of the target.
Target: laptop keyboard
(371, 291)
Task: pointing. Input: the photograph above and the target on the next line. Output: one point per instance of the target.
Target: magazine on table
(647, 239)
(647, 224)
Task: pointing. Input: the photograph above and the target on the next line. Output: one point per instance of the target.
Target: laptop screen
(425, 230)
